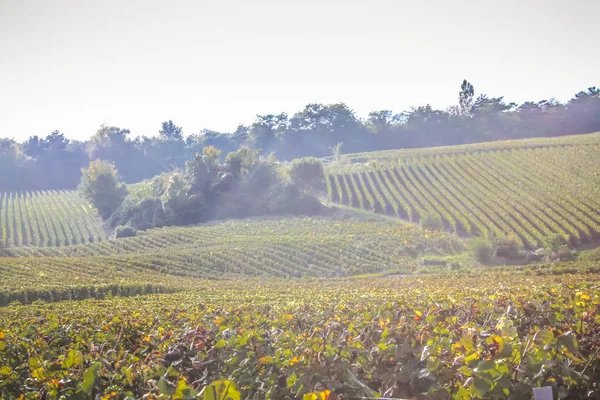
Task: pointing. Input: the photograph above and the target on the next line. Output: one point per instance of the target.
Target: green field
(529, 189)
(360, 302)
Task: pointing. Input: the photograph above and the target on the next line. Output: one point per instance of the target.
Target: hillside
(530, 189)
(285, 248)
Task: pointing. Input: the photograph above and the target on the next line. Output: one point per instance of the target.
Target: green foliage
(101, 187)
(483, 250)
(170, 131)
(89, 378)
(557, 247)
(221, 390)
(211, 154)
(508, 246)
(307, 174)
(489, 335)
(125, 231)
(466, 98)
(241, 161)
(431, 221)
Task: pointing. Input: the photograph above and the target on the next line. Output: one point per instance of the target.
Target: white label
(543, 393)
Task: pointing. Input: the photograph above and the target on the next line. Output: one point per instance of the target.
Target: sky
(73, 65)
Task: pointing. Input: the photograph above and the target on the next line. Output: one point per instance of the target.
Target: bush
(432, 221)
(287, 199)
(483, 250)
(556, 243)
(307, 174)
(124, 231)
(508, 247)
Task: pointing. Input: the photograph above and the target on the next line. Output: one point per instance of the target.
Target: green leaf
(183, 391)
(128, 375)
(74, 358)
(485, 365)
(221, 390)
(89, 378)
(569, 341)
(481, 386)
(165, 386)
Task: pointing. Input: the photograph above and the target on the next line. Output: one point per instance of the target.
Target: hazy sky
(74, 64)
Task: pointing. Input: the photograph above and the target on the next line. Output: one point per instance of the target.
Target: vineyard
(296, 247)
(351, 305)
(494, 335)
(529, 190)
(47, 218)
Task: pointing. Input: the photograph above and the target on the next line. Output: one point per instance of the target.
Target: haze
(73, 65)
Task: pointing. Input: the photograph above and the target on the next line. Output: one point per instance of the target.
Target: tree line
(54, 161)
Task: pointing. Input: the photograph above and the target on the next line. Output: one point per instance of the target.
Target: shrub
(483, 250)
(124, 231)
(556, 243)
(431, 221)
(508, 247)
(307, 174)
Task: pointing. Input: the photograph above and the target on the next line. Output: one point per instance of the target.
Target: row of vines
(530, 194)
(47, 219)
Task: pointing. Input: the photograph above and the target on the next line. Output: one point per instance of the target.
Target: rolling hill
(171, 258)
(530, 189)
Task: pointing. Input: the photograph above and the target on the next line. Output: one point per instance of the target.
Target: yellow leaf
(265, 360)
(324, 395)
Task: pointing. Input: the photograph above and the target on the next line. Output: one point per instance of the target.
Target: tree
(314, 130)
(241, 161)
(381, 122)
(466, 97)
(170, 131)
(100, 185)
(266, 130)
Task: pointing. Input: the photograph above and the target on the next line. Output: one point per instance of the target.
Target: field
(285, 248)
(361, 303)
(528, 189)
(47, 218)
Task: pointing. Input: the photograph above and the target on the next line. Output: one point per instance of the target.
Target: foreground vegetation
(490, 335)
(530, 190)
